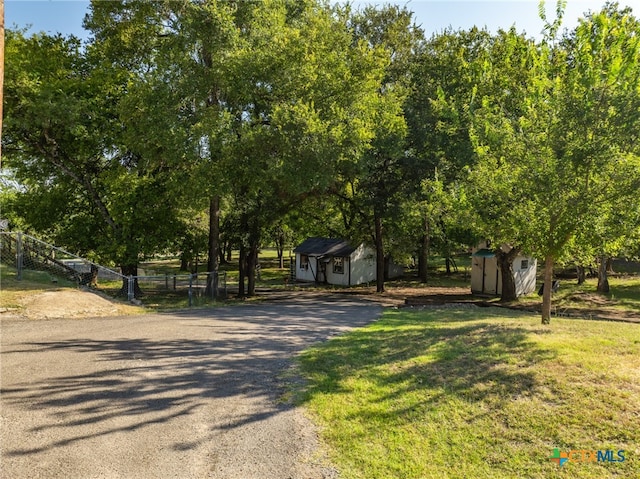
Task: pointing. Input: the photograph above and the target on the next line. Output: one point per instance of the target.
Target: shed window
(338, 265)
(524, 264)
(304, 261)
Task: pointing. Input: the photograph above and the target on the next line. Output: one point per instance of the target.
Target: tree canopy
(553, 143)
(179, 120)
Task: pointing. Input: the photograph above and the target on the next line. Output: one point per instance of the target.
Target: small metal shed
(485, 273)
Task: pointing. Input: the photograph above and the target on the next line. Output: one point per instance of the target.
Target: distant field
(477, 393)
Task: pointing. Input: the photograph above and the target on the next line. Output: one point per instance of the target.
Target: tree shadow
(627, 295)
(456, 357)
(149, 377)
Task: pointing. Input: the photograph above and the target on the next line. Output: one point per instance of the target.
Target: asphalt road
(193, 394)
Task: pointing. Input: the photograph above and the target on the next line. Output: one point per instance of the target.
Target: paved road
(192, 394)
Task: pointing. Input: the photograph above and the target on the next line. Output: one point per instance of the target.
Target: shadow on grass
(443, 354)
(626, 294)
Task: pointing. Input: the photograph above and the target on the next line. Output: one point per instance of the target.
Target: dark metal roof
(485, 253)
(324, 247)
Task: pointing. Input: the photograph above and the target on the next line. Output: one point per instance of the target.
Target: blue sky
(65, 16)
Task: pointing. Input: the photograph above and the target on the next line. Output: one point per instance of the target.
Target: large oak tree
(81, 183)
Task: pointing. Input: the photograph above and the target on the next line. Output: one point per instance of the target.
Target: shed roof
(484, 253)
(324, 247)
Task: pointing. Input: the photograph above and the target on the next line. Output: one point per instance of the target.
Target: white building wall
(485, 269)
(305, 274)
(476, 274)
(359, 268)
(525, 278)
(363, 265)
(340, 279)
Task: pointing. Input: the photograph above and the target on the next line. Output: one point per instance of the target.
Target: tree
(282, 236)
(80, 183)
(2, 35)
(609, 234)
(554, 150)
(260, 99)
(372, 186)
(179, 52)
(446, 74)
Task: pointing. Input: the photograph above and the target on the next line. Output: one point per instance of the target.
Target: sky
(65, 16)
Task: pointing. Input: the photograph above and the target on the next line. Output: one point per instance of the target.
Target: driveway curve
(191, 394)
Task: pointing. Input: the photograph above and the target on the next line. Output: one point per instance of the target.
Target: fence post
(130, 288)
(224, 278)
(174, 282)
(190, 290)
(211, 289)
(19, 255)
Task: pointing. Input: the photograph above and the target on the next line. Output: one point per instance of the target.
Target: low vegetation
(624, 294)
(622, 301)
(39, 294)
(32, 282)
(476, 392)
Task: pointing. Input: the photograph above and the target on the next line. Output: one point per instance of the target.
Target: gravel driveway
(192, 394)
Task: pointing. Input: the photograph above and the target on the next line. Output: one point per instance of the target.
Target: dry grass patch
(37, 296)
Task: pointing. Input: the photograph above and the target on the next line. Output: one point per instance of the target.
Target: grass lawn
(13, 291)
(624, 293)
(477, 393)
(624, 296)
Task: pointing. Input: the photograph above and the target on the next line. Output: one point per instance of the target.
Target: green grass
(271, 275)
(14, 290)
(626, 292)
(624, 295)
(476, 393)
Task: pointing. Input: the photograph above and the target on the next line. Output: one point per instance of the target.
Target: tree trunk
(221, 253)
(184, 261)
(379, 254)
(580, 272)
(423, 259)
(505, 262)
(603, 278)
(546, 293)
(447, 249)
(610, 266)
(94, 276)
(130, 270)
(252, 261)
(214, 246)
(280, 243)
(214, 233)
(242, 268)
(196, 264)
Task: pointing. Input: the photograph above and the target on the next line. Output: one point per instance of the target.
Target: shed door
(491, 274)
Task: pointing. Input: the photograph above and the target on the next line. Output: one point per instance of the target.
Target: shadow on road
(100, 377)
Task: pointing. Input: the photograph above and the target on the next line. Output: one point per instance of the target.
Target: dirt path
(185, 395)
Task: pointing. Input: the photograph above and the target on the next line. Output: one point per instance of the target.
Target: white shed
(335, 261)
(485, 272)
